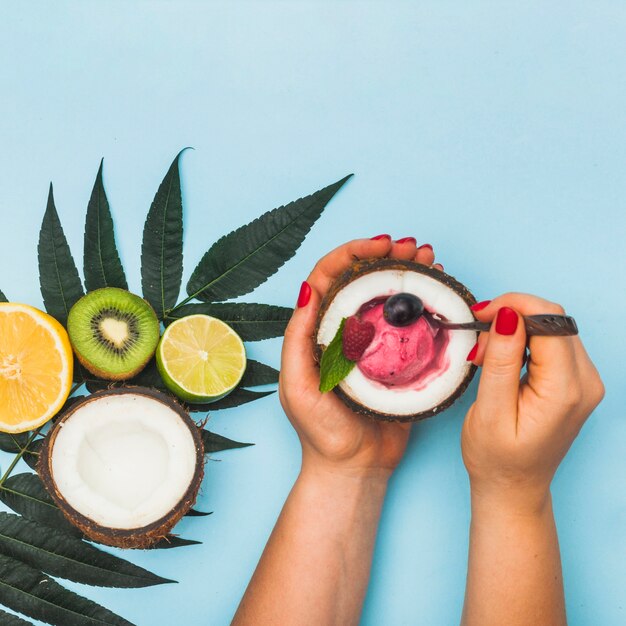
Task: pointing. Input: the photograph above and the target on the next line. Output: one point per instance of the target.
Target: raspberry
(357, 335)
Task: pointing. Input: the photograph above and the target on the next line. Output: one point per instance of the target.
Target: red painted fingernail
(473, 352)
(407, 240)
(479, 306)
(506, 321)
(383, 236)
(425, 245)
(305, 294)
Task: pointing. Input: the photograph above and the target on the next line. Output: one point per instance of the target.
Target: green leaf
(216, 443)
(32, 593)
(242, 260)
(13, 442)
(148, 377)
(7, 619)
(334, 366)
(102, 265)
(31, 455)
(58, 276)
(194, 513)
(58, 554)
(173, 541)
(3, 298)
(162, 247)
(235, 398)
(25, 494)
(258, 374)
(252, 322)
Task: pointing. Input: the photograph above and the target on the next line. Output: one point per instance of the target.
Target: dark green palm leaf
(235, 398)
(58, 276)
(58, 554)
(258, 374)
(102, 265)
(162, 247)
(242, 260)
(25, 494)
(216, 443)
(3, 298)
(252, 322)
(173, 541)
(7, 619)
(32, 593)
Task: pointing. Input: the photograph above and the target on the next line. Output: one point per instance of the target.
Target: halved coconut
(123, 465)
(370, 279)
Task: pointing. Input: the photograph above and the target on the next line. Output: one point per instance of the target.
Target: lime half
(200, 358)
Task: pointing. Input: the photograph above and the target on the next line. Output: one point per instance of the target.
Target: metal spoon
(553, 325)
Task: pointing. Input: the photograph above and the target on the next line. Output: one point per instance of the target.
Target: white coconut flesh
(123, 461)
(437, 298)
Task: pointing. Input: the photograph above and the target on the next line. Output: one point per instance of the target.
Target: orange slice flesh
(36, 367)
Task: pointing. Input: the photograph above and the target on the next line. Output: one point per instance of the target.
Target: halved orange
(36, 367)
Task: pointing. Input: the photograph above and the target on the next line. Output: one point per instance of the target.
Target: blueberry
(403, 309)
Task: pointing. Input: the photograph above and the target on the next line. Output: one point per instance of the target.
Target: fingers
(404, 248)
(552, 359)
(331, 266)
(498, 389)
(425, 254)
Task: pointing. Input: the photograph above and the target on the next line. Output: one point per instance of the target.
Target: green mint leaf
(101, 263)
(58, 276)
(240, 261)
(334, 366)
(162, 246)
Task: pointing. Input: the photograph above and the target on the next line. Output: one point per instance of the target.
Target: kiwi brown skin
(105, 374)
(360, 267)
(142, 537)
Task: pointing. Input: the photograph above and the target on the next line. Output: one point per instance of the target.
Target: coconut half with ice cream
(403, 372)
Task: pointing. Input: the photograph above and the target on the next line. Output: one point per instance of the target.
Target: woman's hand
(517, 432)
(514, 437)
(316, 565)
(332, 436)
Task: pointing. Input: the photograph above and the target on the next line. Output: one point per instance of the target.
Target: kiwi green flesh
(130, 537)
(363, 267)
(113, 332)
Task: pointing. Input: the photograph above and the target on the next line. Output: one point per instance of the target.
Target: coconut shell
(142, 537)
(361, 267)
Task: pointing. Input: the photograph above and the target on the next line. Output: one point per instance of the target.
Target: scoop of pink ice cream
(401, 355)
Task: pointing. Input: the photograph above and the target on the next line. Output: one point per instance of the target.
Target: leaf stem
(19, 455)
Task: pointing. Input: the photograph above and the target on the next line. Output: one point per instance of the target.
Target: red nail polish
(407, 240)
(425, 245)
(473, 352)
(305, 294)
(479, 306)
(383, 236)
(440, 266)
(506, 321)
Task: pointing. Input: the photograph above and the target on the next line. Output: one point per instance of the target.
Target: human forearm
(315, 567)
(514, 572)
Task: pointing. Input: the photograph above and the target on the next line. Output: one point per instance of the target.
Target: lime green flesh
(113, 331)
(202, 366)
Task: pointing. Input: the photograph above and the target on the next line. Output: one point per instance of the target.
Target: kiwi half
(114, 333)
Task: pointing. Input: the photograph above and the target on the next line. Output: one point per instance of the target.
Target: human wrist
(509, 500)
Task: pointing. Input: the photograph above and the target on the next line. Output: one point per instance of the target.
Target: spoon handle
(553, 325)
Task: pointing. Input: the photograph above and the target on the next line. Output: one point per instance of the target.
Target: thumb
(500, 378)
(297, 360)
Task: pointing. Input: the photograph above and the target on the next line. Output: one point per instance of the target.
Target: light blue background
(494, 130)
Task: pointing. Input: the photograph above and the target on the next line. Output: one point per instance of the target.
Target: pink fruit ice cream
(408, 356)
